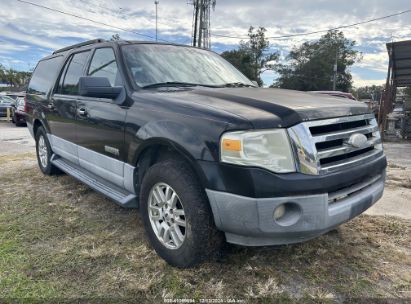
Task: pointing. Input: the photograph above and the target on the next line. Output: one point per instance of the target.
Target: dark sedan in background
(5, 103)
(18, 111)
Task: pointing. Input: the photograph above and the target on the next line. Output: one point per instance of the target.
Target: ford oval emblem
(357, 140)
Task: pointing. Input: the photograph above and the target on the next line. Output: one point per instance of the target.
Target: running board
(118, 195)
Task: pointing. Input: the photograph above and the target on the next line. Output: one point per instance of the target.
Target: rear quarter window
(44, 76)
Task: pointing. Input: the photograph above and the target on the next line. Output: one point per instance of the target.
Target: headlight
(269, 149)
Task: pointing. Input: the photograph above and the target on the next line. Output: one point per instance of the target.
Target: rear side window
(73, 73)
(104, 64)
(44, 76)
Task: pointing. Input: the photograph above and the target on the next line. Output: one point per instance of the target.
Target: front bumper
(249, 221)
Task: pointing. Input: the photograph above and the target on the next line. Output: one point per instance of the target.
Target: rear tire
(18, 124)
(193, 236)
(44, 153)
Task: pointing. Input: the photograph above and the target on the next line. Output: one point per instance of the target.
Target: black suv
(203, 153)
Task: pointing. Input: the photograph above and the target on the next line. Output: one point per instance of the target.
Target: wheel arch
(36, 125)
(38, 122)
(155, 150)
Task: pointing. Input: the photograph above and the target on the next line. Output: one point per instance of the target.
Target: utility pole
(335, 70)
(201, 22)
(195, 25)
(156, 2)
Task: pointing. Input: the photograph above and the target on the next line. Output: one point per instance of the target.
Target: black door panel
(100, 122)
(100, 126)
(61, 116)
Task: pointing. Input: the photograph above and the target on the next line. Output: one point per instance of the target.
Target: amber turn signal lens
(232, 145)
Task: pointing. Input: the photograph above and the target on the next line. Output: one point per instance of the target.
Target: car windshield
(154, 65)
(6, 99)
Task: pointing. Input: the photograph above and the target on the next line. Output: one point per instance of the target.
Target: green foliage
(241, 59)
(373, 92)
(311, 66)
(115, 37)
(252, 56)
(13, 77)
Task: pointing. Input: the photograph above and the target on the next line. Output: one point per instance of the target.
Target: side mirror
(98, 87)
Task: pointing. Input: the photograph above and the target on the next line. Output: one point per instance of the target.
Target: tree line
(312, 66)
(12, 78)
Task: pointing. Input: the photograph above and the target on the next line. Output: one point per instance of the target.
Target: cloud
(358, 81)
(28, 32)
(375, 61)
(7, 47)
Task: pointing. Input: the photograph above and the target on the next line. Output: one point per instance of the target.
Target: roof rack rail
(74, 46)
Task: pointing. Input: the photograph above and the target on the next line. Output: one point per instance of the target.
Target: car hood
(268, 107)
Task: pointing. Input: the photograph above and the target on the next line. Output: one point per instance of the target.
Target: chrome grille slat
(324, 153)
(357, 160)
(344, 134)
(332, 121)
(323, 146)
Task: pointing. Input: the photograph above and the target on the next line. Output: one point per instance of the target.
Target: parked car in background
(5, 103)
(18, 111)
(335, 94)
(15, 95)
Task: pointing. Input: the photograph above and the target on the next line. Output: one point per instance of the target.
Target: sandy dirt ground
(14, 140)
(396, 200)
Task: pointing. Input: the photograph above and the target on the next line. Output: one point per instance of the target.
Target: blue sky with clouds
(28, 33)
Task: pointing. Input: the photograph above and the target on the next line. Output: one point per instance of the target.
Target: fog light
(287, 214)
(279, 212)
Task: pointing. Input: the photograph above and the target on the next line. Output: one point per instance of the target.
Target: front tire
(177, 216)
(44, 153)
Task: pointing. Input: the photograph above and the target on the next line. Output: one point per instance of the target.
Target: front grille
(327, 148)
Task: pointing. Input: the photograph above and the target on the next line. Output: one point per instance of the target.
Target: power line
(90, 20)
(120, 11)
(321, 31)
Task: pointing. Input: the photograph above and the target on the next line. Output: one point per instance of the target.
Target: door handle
(82, 112)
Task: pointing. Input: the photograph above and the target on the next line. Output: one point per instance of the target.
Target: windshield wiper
(237, 85)
(175, 84)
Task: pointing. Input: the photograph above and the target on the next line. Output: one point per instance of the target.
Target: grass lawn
(61, 240)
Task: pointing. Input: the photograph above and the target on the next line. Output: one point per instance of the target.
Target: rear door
(101, 123)
(63, 107)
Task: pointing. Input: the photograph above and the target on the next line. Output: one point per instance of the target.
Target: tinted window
(74, 72)
(104, 64)
(8, 99)
(44, 75)
(4, 100)
(63, 73)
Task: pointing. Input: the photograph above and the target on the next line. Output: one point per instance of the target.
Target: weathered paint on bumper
(249, 221)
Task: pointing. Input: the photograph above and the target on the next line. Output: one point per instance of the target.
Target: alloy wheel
(167, 217)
